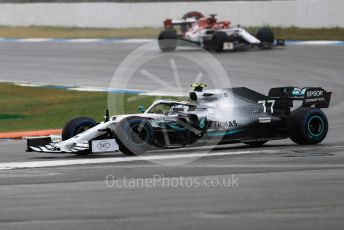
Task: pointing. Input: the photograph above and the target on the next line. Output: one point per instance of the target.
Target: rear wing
(170, 23)
(309, 96)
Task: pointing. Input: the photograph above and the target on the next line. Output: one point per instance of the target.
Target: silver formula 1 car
(212, 35)
(209, 117)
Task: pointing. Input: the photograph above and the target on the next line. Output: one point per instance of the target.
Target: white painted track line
(118, 159)
(54, 163)
(316, 43)
(34, 40)
(84, 40)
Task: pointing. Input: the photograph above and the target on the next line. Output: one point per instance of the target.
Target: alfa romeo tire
(266, 36)
(307, 126)
(134, 136)
(168, 40)
(193, 14)
(218, 39)
(77, 125)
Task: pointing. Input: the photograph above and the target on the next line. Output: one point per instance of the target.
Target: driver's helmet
(212, 19)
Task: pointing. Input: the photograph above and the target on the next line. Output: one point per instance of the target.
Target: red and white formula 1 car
(212, 34)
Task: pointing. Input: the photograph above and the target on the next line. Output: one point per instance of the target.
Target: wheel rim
(138, 134)
(315, 126)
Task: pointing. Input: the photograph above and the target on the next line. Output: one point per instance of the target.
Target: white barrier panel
(300, 13)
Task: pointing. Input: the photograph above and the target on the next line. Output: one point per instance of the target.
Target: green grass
(290, 33)
(294, 33)
(72, 32)
(36, 108)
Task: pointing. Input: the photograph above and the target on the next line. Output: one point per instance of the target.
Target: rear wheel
(307, 126)
(168, 40)
(218, 40)
(266, 36)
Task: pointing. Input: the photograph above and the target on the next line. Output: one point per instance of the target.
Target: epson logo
(104, 145)
(315, 93)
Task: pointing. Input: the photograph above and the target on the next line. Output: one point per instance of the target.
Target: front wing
(45, 144)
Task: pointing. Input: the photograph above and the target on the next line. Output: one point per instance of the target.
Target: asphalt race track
(278, 186)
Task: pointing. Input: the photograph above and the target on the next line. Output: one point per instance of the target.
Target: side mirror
(106, 115)
(141, 108)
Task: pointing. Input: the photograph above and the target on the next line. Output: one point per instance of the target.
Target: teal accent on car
(141, 108)
(202, 123)
(175, 126)
(309, 126)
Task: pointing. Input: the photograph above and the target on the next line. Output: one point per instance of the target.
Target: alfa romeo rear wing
(309, 96)
(169, 23)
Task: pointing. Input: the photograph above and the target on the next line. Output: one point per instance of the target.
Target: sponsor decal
(264, 120)
(228, 46)
(223, 124)
(315, 93)
(298, 92)
(202, 122)
(104, 145)
(311, 100)
(309, 93)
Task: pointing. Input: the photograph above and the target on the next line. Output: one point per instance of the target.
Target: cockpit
(167, 107)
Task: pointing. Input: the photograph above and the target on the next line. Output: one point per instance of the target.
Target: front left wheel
(266, 37)
(218, 40)
(77, 125)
